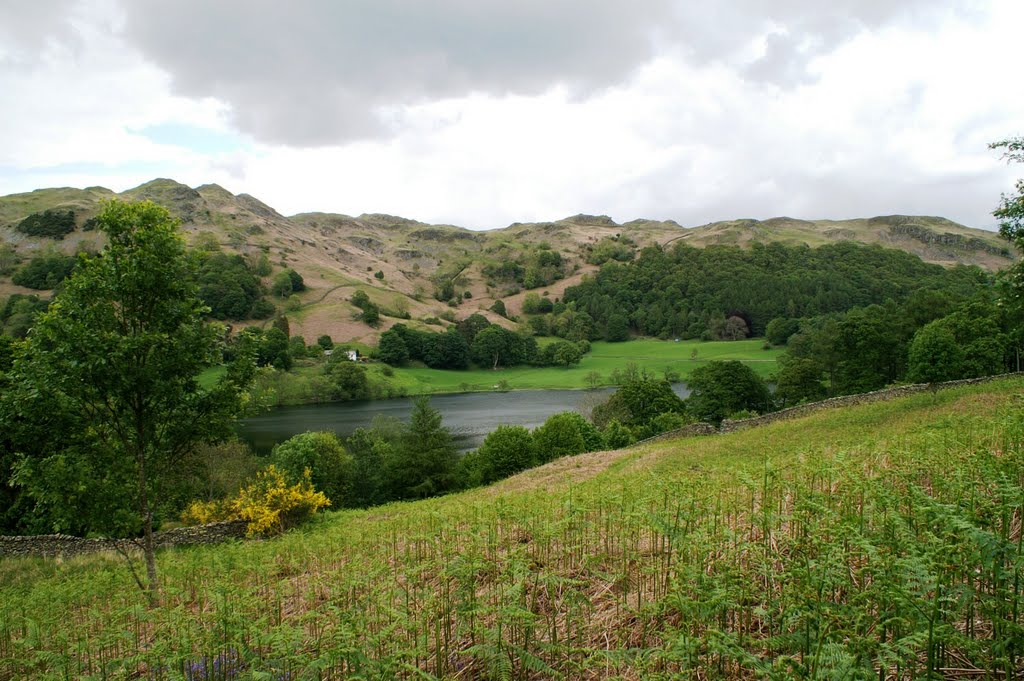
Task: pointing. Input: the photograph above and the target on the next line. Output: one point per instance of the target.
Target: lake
(470, 416)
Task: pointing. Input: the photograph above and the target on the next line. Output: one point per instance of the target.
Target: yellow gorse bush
(268, 504)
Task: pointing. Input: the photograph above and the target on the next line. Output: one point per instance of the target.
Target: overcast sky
(484, 112)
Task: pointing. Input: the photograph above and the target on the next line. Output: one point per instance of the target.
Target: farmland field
(879, 541)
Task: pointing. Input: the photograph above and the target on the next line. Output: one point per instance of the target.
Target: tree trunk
(148, 545)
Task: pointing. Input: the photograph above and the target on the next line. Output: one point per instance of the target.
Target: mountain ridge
(401, 262)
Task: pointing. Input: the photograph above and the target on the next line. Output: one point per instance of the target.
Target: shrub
(54, 224)
(506, 451)
(44, 271)
(320, 455)
(268, 504)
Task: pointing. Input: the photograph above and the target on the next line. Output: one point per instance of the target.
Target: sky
(481, 113)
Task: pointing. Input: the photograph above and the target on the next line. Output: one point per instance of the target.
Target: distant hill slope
(401, 262)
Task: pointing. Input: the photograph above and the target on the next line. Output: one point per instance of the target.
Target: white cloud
(872, 108)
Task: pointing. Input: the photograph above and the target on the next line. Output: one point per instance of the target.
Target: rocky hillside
(405, 265)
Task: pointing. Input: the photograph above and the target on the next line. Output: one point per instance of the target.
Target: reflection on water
(470, 416)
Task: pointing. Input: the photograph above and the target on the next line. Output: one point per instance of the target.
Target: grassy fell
(880, 541)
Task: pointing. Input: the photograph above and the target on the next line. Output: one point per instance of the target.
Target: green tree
(348, 380)
(423, 464)
(934, 355)
(780, 329)
(325, 342)
(324, 456)
(105, 396)
(392, 348)
(799, 381)
(564, 434)
(637, 402)
(504, 452)
(719, 389)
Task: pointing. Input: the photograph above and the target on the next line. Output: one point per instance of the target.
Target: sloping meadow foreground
(880, 541)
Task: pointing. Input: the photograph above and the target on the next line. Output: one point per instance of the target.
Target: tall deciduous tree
(104, 402)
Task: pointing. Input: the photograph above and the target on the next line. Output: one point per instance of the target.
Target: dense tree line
(231, 289)
(707, 293)
(473, 340)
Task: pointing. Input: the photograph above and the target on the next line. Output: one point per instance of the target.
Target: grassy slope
(652, 355)
(822, 547)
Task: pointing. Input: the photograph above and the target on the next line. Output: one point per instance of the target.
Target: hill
(430, 271)
(880, 540)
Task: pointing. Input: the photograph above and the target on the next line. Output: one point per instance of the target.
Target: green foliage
(104, 403)
(370, 314)
(9, 259)
(424, 463)
(323, 456)
(617, 329)
(348, 381)
(617, 436)
(360, 299)
(564, 434)
(637, 402)
(379, 274)
(720, 389)
(53, 224)
(965, 344)
(800, 381)
(780, 329)
(471, 326)
(497, 346)
(44, 272)
(19, 312)
(677, 294)
(504, 452)
(287, 282)
(610, 248)
(392, 348)
(230, 288)
(325, 342)
(499, 308)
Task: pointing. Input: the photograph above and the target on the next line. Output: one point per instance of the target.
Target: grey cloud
(26, 28)
(314, 72)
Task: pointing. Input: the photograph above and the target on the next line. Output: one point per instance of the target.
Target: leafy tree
(637, 402)
(447, 350)
(392, 348)
(471, 326)
(934, 355)
(800, 381)
(780, 329)
(229, 287)
(348, 380)
(325, 342)
(504, 452)
(564, 434)
(617, 329)
(496, 346)
(424, 463)
(617, 436)
(104, 403)
(323, 455)
(298, 285)
(719, 389)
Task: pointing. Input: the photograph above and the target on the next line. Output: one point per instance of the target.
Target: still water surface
(470, 416)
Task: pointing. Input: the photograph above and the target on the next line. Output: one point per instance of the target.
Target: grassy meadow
(300, 384)
(875, 542)
(651, 354)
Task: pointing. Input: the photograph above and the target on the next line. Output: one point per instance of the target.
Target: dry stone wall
(66, 545)
(813, 407)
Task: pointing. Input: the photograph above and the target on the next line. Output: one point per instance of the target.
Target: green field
(653, 355)
(880, 541)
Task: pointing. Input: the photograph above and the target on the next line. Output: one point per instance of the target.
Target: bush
(44, 271)
(268, 504)
(506, 451)
(54, 224)
(323, 457)
(565, 434)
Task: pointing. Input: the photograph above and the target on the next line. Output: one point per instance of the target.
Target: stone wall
(66, 545)
(812, 407)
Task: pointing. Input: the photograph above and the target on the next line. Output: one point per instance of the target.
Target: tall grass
(878, 542)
